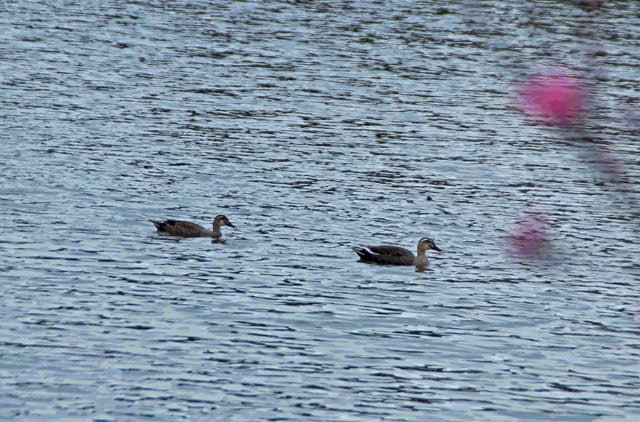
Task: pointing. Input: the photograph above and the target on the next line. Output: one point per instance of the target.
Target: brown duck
(396, 255)
(188, 229)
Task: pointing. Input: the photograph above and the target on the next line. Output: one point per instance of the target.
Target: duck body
(188, 229)
(181, 228)
(397, 255)
(385, 255)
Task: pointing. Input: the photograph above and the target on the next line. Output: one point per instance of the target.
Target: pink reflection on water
(554, 98)
(530, 238)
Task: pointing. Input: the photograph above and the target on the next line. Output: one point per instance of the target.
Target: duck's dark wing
(385, 255)
(180, 228)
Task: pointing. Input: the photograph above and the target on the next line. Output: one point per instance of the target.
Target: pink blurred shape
(553, 98)
(530, 238)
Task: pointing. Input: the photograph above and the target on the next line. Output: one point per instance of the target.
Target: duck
(397, 255)
(189, 229)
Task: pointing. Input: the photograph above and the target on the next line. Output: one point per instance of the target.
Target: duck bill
(438, 249)
(228, 223)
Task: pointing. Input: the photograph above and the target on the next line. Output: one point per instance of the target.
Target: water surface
(315, 126)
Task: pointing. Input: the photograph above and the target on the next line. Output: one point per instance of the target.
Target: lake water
(315, 127)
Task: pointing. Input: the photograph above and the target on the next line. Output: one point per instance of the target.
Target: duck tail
(158, 224)
(364, 253)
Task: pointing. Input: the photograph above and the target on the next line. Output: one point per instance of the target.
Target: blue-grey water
(314, 126)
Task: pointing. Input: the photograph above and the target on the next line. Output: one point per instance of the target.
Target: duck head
(426, 243)
(222, 220)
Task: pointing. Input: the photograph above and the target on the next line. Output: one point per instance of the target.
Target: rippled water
(315, 126)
